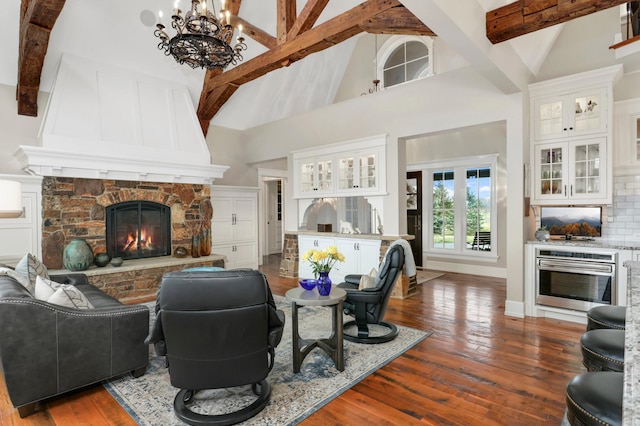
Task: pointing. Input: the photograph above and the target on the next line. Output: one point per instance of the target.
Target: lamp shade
(10, 198)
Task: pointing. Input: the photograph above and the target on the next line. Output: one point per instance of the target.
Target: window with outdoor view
(463, 207)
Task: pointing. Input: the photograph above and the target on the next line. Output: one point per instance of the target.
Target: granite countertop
(631, 392)
(358, 236)
(596, 243)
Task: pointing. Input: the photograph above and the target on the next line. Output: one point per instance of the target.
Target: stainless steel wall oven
(575, 279)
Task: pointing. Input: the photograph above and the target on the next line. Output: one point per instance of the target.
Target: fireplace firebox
(138, 229)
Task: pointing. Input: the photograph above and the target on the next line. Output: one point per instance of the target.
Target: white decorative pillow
(368, 281)
(70, 297)
(22, 279)
(45, 288)
(31, 267)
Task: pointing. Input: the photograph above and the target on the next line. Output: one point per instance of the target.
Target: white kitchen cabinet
(574, 114)
(358, 171)
(571, 131)
(574, 171)
(306, 242)
(345, 169)
(240, 255)
(360, 256)
(315, 175)
(234, 226)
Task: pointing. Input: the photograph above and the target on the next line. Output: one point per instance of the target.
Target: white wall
(16, 129)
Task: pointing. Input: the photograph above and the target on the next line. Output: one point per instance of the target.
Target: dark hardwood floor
(478, 368)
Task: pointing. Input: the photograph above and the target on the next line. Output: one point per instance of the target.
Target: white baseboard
(514, 309)
(486, 271)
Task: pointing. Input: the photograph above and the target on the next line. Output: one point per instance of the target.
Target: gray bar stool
(606, 317)
(595, 399)
(603, 350)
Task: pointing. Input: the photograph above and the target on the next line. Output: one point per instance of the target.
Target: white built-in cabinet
(234, 226)
(571, 170)
(571, 138)
(345, 169)
(361, 255)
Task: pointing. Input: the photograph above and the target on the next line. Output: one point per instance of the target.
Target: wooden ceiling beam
(526, 16)
(37, 20)
(286, 13)
(233, 6)
(316, 39)
(257, 34)
(397, 20)
(308, 17)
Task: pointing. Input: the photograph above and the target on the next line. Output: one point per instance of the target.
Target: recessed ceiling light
(148, 18)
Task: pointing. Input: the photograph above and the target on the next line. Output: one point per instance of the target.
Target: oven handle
(575, 267)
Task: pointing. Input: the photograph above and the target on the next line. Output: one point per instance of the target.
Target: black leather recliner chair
(369, 305)
(217, 330)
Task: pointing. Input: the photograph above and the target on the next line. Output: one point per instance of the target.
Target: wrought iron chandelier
(202, 39)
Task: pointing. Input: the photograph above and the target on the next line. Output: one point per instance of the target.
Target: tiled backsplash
(624, 224)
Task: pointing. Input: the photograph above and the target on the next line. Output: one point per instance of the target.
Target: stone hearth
(139, 279)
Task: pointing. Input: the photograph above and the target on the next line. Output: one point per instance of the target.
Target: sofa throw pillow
(70, 297)
(22, 279)
(31, 267)
(45, 288)
(368, 281)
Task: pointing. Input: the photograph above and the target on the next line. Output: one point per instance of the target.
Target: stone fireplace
(81, 208)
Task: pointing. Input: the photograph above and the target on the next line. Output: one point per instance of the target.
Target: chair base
(363, 333)
(262, 389)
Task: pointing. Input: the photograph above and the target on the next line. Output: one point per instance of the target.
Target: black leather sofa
(47, 349)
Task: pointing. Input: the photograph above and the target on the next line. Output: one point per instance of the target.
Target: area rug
(294, 397)
(423, 275)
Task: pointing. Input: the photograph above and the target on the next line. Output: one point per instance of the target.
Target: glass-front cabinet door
(588, 168)
(358, 171)
(570, 171)
(314, 175)
(550, 173)
(574, 114)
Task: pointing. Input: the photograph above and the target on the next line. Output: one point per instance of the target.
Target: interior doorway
(414, 213)
(271, 215)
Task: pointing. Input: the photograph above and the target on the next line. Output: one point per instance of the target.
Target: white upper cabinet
(315, 175)
(575, 114)
(571, 171)
(571, 135)
(358, 170)
(349, 168)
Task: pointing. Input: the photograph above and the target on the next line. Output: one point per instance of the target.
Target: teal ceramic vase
(324, 284)
(101, 259)
(77, 255)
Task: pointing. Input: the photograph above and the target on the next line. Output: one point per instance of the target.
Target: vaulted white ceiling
(113, 32)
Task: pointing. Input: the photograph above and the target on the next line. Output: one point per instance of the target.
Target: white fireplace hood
(105, 122)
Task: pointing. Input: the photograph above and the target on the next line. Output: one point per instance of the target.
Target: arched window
(406, 58)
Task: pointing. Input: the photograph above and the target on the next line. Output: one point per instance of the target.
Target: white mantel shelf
(54, 162)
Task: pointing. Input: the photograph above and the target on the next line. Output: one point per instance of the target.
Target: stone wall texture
(75, 208)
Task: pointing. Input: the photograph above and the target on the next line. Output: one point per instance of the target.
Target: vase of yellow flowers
(322, 261)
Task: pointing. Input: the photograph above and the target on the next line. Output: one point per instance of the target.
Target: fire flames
(145, 241)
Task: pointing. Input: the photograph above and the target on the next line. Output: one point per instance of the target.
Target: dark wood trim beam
(233, 6)
(216, 99)
(316, 39)
(37, 20)
(261, 36)
(526, 16)
(286, 10)
(397, 20)
(308, 17)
